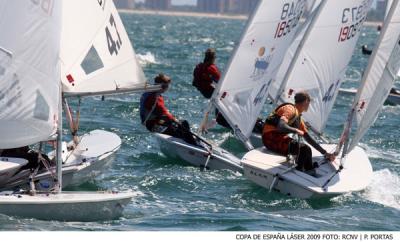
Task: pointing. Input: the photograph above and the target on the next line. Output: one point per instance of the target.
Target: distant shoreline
(185, 14)
(206, 15)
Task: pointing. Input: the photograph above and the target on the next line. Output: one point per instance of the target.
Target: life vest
(273, 118)
(204, 75)
(146, 114)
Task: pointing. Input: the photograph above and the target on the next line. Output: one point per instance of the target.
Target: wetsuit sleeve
(285, 128)
(314, 143)
(161, 109)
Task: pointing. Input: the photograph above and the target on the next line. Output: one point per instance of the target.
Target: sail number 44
(113, 45)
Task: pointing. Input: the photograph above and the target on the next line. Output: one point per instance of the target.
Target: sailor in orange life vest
(156, 117)
(287, 119)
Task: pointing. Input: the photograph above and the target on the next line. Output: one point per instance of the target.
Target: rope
(151, 111)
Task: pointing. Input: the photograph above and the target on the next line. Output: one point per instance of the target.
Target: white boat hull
(88, 160)
(392, 99)
(92, 155)
(67, 206)
(8, 167)
(273, 172)
(197, 156)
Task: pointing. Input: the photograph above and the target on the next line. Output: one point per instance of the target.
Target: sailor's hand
(300, 132)
(329, 156)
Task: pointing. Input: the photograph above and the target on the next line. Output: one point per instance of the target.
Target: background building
(226, 6)
(245, 6)
(210, 6)
(125, 4)
(158, 4)
(381, 8)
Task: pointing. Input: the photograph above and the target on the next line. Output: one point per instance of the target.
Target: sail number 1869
(290, 17)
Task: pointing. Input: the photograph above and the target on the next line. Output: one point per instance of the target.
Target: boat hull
(392, 99)
(274, 172)
(8, 167)
(66, 206)
(87, 161)
(197, 156)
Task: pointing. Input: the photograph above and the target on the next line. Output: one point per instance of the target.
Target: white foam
(207, 40)
(146, 59)
(384, 189)
(389, 155)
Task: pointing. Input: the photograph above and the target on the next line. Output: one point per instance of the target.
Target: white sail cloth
(242, 92)
(96, 52)
(379, 77)
(29, 71)
(322, 61)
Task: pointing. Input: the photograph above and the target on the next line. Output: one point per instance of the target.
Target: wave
(146, 59)
(384, 189)
(390, 155)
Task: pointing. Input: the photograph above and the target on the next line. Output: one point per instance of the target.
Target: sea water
(173, 196)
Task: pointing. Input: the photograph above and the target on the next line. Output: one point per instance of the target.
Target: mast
(298, 50)
(212, 104)
(59, 145)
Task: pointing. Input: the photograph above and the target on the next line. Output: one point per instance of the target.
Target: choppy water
(174, 196)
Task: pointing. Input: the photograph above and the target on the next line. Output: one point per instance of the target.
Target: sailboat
(392, 99)
(253, 67)
(31, 104)
(394, 95)
(352, 171)
(101, 61)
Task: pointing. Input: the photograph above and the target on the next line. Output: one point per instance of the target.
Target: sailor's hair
(301, 97)
(210, 55)
(162, 79)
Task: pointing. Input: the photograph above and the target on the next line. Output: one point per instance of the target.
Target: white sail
(388, 4)
(96, 52)
(29, 70)
(322, 60)
(312, 6)
(379, 76)
(242, 92)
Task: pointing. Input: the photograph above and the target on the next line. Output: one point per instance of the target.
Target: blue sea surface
(172, 196)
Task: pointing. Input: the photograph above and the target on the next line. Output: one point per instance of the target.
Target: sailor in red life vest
(156, 117)
(206, 74)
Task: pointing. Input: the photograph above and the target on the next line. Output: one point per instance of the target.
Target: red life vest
(204, 75)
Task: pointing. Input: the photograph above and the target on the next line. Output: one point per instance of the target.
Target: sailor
(156, 117)
(205, 77)
(365, 50)
(206, 74)
(287, 119)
